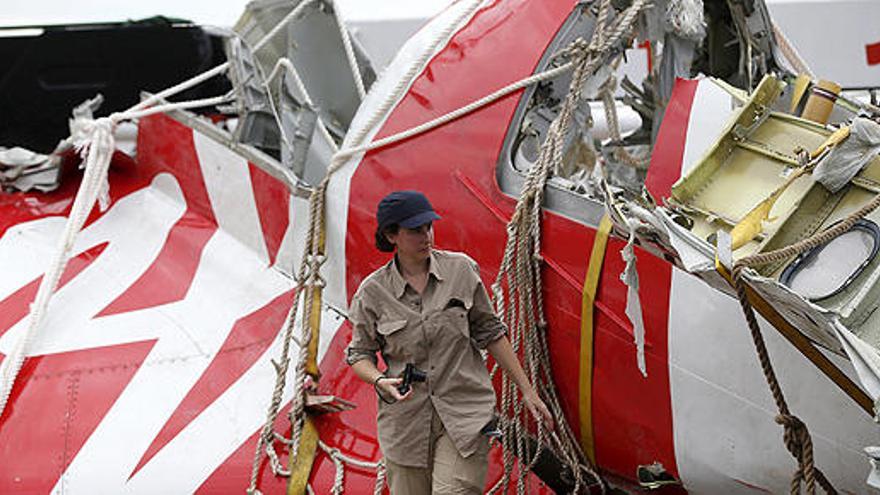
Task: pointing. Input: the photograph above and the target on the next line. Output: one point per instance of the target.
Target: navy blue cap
(409, 209)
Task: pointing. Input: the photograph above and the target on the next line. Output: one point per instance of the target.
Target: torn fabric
(848, 158)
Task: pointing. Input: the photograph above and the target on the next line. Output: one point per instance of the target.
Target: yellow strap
(301, 467)
(315, 320)
(315, 325)
(588, 297)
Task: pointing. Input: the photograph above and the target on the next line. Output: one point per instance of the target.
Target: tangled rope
(340, 460)
(796, 435)
(311, 282)
(517, 288)
(309, 271)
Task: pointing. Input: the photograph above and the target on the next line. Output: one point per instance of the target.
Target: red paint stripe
(17, 207)
(273, 202)
(632, 415)
(668, 153)
(169, 277)
(16, 306)
(165, 145)
(647, 46)
(55, 405)
(248, 339)
(234, 474)
(872, 52)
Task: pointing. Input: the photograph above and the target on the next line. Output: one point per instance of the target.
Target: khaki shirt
(441, 332)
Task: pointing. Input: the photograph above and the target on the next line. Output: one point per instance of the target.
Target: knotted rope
(517, 289)
(796, 435)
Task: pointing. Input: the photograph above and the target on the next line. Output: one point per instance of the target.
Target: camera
(410, 375)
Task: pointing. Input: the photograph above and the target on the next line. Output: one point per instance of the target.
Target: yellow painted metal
(588, 298)
(834, 139)
(798, 91)
(753, 223)
(301, 466)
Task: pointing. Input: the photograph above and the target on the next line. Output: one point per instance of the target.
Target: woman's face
(414, 243)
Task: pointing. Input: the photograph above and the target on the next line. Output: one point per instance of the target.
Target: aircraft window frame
(557, 198)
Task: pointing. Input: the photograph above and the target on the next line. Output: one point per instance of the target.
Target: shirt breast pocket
(394, 335)
(455, 316)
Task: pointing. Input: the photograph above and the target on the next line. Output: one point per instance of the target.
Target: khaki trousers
(449, 473)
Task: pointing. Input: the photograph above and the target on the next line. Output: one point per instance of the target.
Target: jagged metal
(313, 44)
(257, 125)
(298, 123)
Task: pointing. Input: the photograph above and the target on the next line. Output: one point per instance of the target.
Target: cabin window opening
(572, 186)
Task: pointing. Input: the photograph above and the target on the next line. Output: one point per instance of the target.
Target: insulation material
(630, 277)
(874, 458)
(865, 359)
(24, 170)
(685, 19)
(848, 158)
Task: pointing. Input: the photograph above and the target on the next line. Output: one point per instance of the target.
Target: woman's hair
(382, 242)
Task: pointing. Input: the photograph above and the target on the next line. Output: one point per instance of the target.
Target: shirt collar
(398, 283)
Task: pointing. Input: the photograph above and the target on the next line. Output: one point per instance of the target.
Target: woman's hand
(388, 387)
(502, 351)
(538, 409)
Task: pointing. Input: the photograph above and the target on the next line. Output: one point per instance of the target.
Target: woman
(429, 309)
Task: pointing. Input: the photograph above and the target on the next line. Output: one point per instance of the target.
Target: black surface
(43, 77)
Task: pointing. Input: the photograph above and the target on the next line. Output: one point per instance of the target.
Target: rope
(403, 82)
(517, 290)
(93, 139)
(310, 267)
(173, 90)
(95, 145)
(796, 435)
(340, 460)
(349, 51)
(790, 52)
(611, 119)
(285, 63)
(457, 113)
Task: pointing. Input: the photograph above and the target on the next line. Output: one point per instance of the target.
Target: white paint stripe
(228, 182)
(25, 251)
(338, 191)
(221, 428)
(136, 229)
(287, 258)
(710, 113)
(723, 414)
